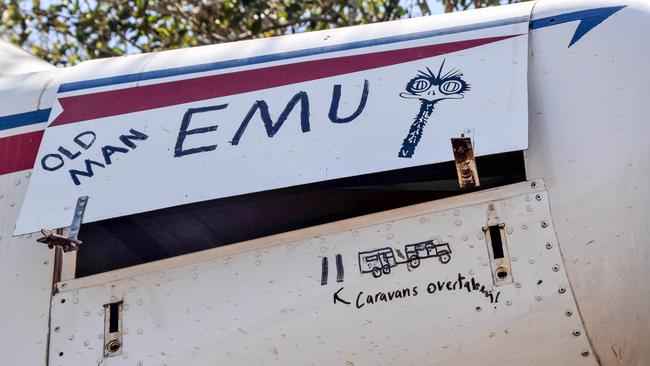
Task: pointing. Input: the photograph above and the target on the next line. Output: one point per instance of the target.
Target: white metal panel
(371, 70)
(25, 282)
(262, 302)
(589, 139)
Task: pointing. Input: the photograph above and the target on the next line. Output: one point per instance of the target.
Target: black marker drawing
(429, 89)
(324, 272)
(339, 268)
(380, 261)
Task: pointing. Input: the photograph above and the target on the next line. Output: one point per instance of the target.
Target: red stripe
(18, 152)
(140, 98)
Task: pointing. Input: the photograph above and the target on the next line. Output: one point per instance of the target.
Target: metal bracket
(465, 162)
(70, 242)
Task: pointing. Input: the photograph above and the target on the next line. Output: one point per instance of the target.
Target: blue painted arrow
(588, 20)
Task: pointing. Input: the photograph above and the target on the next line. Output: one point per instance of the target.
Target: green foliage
(65, 32)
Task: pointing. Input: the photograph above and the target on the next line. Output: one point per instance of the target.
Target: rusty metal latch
(70, 242)
(465, 162)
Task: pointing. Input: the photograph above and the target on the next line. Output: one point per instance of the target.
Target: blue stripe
(128, 78)
(24, 119)
(571, 17)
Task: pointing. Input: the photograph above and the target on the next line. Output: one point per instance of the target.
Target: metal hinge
(465, 162)
(70, 242)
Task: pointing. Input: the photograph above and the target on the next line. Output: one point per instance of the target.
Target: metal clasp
(70, 242)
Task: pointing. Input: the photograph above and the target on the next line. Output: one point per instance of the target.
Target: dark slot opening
(130, 240)
(114, 317)
(495, 239)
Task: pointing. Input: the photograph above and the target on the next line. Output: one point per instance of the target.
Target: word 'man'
(85, 140)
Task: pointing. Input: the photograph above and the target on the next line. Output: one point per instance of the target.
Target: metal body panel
(589, 140)
(25, 282)
(262, 302)
(250, 117)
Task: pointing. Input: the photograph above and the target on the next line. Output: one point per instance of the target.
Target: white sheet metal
(160, 130)
(263, 302)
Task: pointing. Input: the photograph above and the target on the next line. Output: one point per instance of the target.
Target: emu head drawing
(431, 88)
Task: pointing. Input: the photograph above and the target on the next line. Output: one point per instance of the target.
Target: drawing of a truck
(427, 249)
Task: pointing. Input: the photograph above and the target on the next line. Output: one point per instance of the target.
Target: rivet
(562, 289)
(87, 313)
(538, 197)
(464, 237)
(508, 302)
(389, 226)
(556, 268)
(549, 245)
(64, 285)
(456, 212)
(57, 329)
(478, 308)
(322, 240)
(458, 222)
(422, 220)
(531, 260)
(389, 236)
(517, 284)
(355, 233)
(568, 312)
(538, 297)
(527, 198)
(544, 224)
(533, 184)
(508, 230)
(585, 353)
(71, 337)
(139, 302)
(514, 258)
(479, 236)
(139, 331)
(529, 208)
(524, 226)
(491, 207)
(576, 333)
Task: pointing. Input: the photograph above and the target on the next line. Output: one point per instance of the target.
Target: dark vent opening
(136, 239)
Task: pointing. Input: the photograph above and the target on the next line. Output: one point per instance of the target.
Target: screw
(549, 245)
(568, 312)
(576, 333)
(544, 224)
(562, 289)
(585, 353)
(556, 268)
(113, 346)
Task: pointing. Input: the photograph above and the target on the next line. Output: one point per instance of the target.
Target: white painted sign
(226, 120)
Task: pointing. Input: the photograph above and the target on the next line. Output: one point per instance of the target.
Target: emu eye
(419, 85)
(450, 87)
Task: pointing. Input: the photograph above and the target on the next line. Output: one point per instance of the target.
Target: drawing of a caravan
(377, 261)
(380, 261)
(427, 249)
